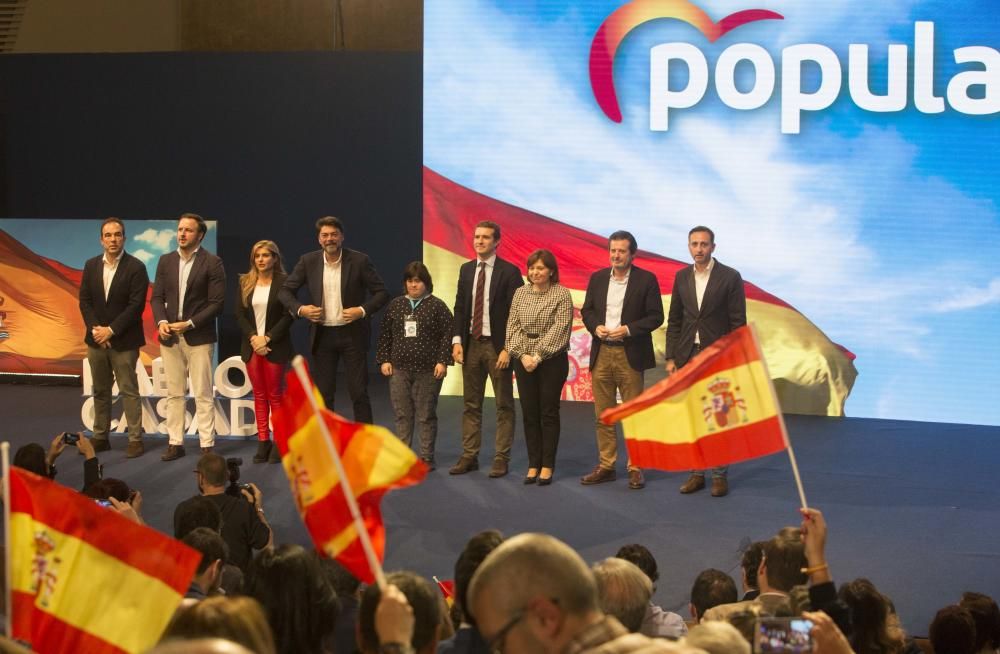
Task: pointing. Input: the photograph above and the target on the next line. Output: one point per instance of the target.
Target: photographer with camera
(244, 527)
(35, 458)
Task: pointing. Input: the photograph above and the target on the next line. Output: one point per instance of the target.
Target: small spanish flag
(718, 409)
(85, 579)
(374, 462)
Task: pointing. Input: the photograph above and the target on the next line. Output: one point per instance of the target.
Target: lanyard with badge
(410, 321)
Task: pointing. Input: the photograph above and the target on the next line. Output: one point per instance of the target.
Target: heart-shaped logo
(626, 18)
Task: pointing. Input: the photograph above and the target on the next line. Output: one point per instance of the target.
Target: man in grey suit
(188, 296)
(344, 291)
(708, 301)
(112, 297)
(621, 309)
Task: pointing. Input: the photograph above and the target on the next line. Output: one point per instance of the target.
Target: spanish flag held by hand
(718, 409)
(373, 459)
(85, 579)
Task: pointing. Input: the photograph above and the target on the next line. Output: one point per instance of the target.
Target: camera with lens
(234, 487)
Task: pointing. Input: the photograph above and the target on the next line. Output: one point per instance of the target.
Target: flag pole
(352, 503)
(9, 590)
(781, 419)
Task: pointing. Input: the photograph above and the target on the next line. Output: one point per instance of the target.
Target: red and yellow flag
(373, 459)
(716, 410)
(85, 579)
(447, 588)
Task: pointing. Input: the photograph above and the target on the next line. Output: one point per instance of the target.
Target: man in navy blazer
(708, 301)
(344, 291)
(621, 309)
(112, 297)
(189, 292)
(479, 344)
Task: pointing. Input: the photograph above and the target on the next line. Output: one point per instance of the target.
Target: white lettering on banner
(795, 100)
(239, 420)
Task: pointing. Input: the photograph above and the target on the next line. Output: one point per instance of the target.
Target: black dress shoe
(530, 479)
(544, 481)
(263, 451)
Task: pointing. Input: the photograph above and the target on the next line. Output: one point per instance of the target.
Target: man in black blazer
(188, 295)
(344, 290)
(621, 309)
(486, 288)
(708, 301)
(112, 297)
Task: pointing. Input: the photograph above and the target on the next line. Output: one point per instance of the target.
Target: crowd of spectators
(529, 593)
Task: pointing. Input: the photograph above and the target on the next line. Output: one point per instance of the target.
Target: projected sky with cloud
(882, 228)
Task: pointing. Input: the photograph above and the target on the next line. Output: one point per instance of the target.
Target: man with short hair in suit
(188, 295)
(621, 309)
(708, 301)
(486, 288)
(345, 290)
(112, 298)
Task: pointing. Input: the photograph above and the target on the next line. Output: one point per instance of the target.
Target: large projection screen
(844, 153)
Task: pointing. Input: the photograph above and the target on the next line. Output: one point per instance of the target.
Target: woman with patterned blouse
(414, 352)
(538, 329)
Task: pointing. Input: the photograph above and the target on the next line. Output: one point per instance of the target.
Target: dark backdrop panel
(263, 143)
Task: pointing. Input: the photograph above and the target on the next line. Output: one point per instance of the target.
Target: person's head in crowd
(31, 457)
(423, 598)
(533, 594)
(238, 619)
(986, 614)
(417, 280)
(623, 591)
(200, 646)
(340, 579)
(784, 559)
(345, 585)
(300, 604)
(476, 550)
(711, 588)
(717, 637)
(953, 631)
(212, 473)
(213, 551)
(642, 558)
(197, 512)
(109, 487)
(750, 564)
(874, 628)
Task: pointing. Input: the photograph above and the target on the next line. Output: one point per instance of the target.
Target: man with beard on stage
(708, 301)
(112, 298)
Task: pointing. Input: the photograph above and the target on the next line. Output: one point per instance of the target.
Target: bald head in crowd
(535, 594)
(623, 590)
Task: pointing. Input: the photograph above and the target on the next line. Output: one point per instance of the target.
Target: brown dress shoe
(499, 468)
(694, 483)
(207, 450)
(173, 452)
(464, 465)
(599, 475)
(134, 449)
(100, 444)
(720, 486)
(635, 480)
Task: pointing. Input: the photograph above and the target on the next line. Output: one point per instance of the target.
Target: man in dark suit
(486, 288)
(708, 301)
(621, 309)
(112, 297)
(345, 290)
(188, 295)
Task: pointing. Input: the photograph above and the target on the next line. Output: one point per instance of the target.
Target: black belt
(613, 343)
(482, 339)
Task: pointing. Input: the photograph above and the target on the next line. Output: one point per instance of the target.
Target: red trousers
(266, 378)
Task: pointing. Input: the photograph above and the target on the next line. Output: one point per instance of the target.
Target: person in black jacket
(266, 346)
(112, 297)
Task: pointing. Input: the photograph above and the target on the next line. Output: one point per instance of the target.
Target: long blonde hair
(249, 279)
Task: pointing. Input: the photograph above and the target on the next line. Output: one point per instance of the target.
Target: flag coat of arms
(716, 410)
(85, 579)
(374, 462)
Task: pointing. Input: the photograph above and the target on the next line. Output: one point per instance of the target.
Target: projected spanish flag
(716, 410)
(85, 579)
(374, 461)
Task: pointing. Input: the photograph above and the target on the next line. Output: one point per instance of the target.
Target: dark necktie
(477, 309)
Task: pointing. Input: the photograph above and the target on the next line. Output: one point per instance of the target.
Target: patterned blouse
(539, 322)
(430, 346)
